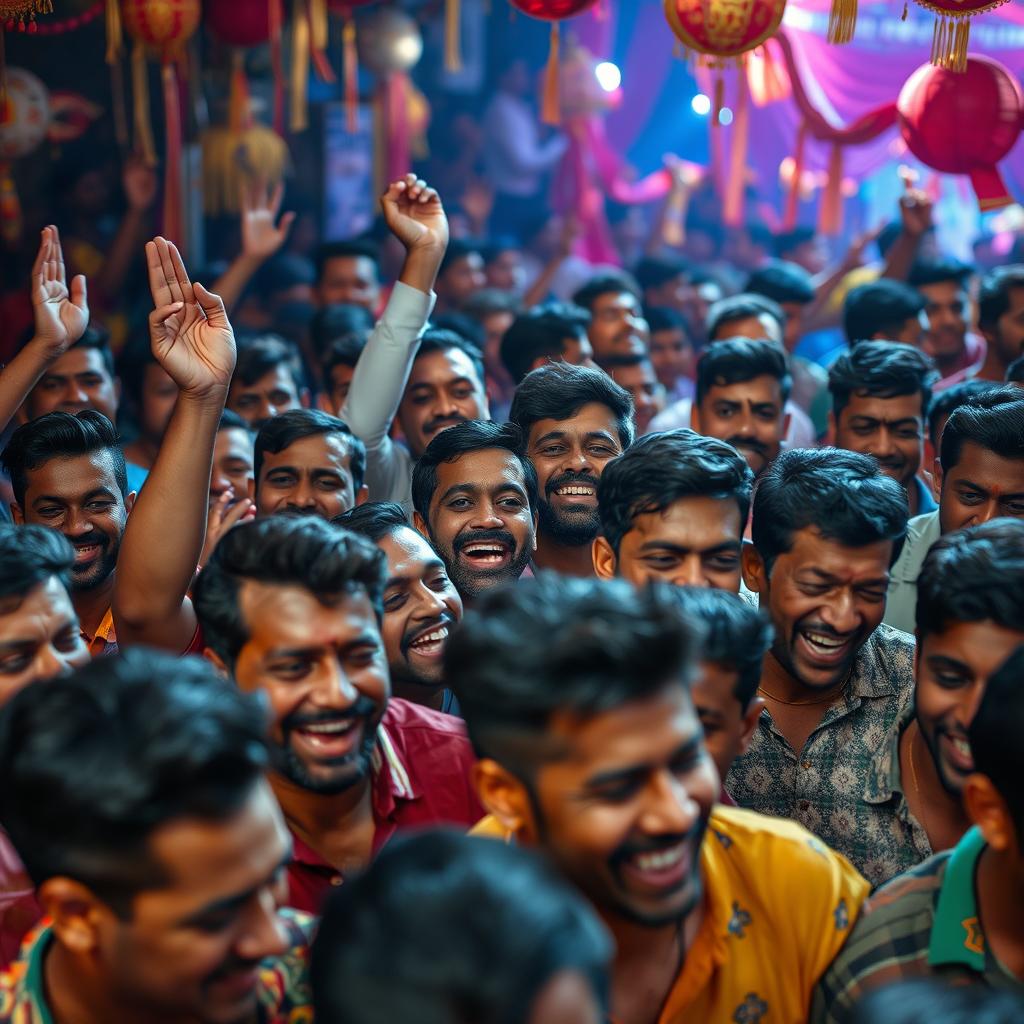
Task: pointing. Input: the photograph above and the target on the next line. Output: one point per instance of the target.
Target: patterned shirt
(923, 924)
(283, 995)
(823, 786)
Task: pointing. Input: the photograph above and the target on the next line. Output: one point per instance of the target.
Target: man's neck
(913, 497)
(418, 693)
(1000, 890)
(568, 561)
(92, 605)
(939, 813)
(315, 815)
(993, 368)
(779, 684)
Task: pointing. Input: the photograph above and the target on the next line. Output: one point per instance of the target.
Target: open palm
(60, 317)
(189, 329)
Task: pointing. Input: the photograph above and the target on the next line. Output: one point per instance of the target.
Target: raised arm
(193, 341)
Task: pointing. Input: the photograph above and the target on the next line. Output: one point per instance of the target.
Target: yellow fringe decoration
(950, 41)
(842, 21)
(234, 161)
(299, 106)
(452, 35)
(318, 23)
(550, 107)
(144, 143)
(115, 36)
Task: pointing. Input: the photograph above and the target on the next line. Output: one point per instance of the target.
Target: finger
(161, 313)
(167, 269)
(219, 508)
(428, 195)
(79, 296)
(276, 198)
(237, 513)
(287, 220)
(38, 267)
(181, 273)
(57, 253)
(158, 286)
(212, 305)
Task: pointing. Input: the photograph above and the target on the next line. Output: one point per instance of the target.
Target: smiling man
(617, 326)
(475, 495)
(835, 681)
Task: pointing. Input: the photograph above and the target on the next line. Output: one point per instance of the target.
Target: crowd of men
(611, 661)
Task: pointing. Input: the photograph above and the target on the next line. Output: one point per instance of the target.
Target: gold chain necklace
(917, 789)
(831, 696)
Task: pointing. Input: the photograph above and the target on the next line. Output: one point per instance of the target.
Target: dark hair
(343, 352)
(1015, 371)
(342, 250)
(787, 241)
(971, 575)
(994, 294)
(282, 551)
(624, 359)
(929, 1001)
(952, 398)
(497, 921)
(994, 421)
(782, 281)
(938, 271)
(112, 753)
(490, 250)
(232, 421)
(30, 555)
(338, 323)
(741, 307)
(736, 635)
(660, 469)
(463, 438)
(374, 519)
(559, 390)
(488, 301)
(283, 431)
(266, 352)
(437, 339)
(541, 333)
(738, 360)
(458, 249)
(881, 369)
(995, 734)
(653, 271)
(843, 495)
(59, 435)
(97, 338)
(283, 271)
(604, 284)
(880, 307)
(605, 644)
(663, 318)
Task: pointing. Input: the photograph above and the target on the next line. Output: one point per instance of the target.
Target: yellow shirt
(779, 906)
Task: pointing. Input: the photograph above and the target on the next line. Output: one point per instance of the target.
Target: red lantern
(163, 25)
(964, 122)
(240, 22)
(953, 28)
(722, 29)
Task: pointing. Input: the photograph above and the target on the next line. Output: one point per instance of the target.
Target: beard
(96, 573)
(575, 525)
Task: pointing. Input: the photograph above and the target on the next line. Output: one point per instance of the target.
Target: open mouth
(660, 869)
(430, 643)
(486, 554)
(336, 738)
(958, 752)
(824, 648)
(86, 553)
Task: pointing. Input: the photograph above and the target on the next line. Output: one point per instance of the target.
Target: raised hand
(60, 318)
(222, 517)
(262, 233)
(414, 213)
(189, 329)
(140, 183)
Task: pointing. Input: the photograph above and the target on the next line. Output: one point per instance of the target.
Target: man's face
(325, 673)
(758, 328)
(421, 607)
(444, 389)
(694, 542)
(39, 637)
(825, 599)
(349, 281)
(617, 327)
(156, 403)
(749, 415)
(506, 271)
(980, 487)
(339, 386)
(1008, 336)
(953, 669)
(570, 456)
(948, 307)
(462, 279)
(648, 397)
(890, 429)
(312, 475)
(671, 356)
(728, 726)
(78, 380)
(232, 463)
(480, 520)
(80, 498)
(274, 393)
(624, 811)
(192, 947)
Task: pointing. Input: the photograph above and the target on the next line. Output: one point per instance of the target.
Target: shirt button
(804, 805)
(336, 880)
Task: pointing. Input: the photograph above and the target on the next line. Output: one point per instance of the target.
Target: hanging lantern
(721, 30)
(234, 161)
(389, 41)
(953, 27)
(350, 56)
(554, 11)
(964, 122)
(24, 121)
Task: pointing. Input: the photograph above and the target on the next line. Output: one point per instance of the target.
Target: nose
(76, 524)
(302, 497)
(48, 663)
(333, 688)
(488, 517)
(842, 614)
(882, 445)
(669, 807)
(429, 603)
(983, 513)
(267, 410)
(745, 424)
(76, 394)
(219, 482)
(690, 573)
(263, 934)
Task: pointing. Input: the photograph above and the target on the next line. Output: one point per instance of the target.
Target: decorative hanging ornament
(389, 41)
(964, 122)
(953, 28)
(350, 57)
(554, 11)
(723, 30)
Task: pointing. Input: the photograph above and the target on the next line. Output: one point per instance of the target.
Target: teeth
(962, 747)
(660, 860)
(432, 638)
(477, 549)
(585, 492)
(821, 640)
(330, 728)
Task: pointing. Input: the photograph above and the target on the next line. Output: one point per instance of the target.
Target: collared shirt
(967, 366)
(19, 910)
(822, 785)
(420, 775)
(923, 924)
(901, 600)
(925, 502)
(284, 995)
(104, 641)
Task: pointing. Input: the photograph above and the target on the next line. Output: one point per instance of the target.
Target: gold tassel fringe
(234, 161)
(298, 120)
(842, 21)
(453, 35)
(550, 107)
(950, 42)
(144, 143)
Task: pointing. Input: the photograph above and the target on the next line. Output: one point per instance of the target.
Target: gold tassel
(961, 37)
(842, 21)
(299, 107)
(144, 143)
(115, 37)
(318, 23)
(550, 108)
(939, 41)
(906, 11)
(453, 35)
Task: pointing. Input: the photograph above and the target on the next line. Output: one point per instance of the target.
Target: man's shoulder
(888, 654)
(404, 719)
(922, 532)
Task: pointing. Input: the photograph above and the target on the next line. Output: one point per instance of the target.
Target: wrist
(207, 397)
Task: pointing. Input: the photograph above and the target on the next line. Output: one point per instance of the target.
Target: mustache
(415, 634)
(443, 421)
(94, 537)
(748, 442)
(824, 630)
(476, 536)
(567, 479)
(363, 708)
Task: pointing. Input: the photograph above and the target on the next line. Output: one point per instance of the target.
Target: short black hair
(938, 271)
(736, 635)
(463, 438)
(341, 250)
(660, 469)
(880, 307)
(498, 921)
(664, 318)
(1015, 371)
(97, 337)
(282, 551)
(439, 339)
(742, 307)
(488, 301)
(232, 421)
(993, 420)
(843, 495)
(782, 281)
(952, 398)
(115, 751)
(994, 294)
(59, 435)
(459, 249)
(738, 360)
(464, 326)
(31, 555)
(374, 519)
(786, 241)
(930, 1001)
(559, 390)
(283, 431)
(604, 284)
(971, 575)
(344, 351)
(606, 644)
(338, 323)
(266, 352)
(541, 333)
(652, 271)
(881, 369)
(623, 359)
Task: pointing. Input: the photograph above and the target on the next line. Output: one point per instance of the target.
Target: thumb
(79, 296)
(161, 313)
(212, 305)
(287, 220)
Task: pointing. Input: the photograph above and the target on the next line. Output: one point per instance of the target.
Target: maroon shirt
(420, 777)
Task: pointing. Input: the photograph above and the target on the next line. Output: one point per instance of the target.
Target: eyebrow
(444, 384)
(231, 902)
(428, 567)
(680, 549)
(636, 770)
(827, 577)
(881, 419)
(559, 435)
(944, 661)
(99, 492)
(473, 489)
(984, 490)
(363, 639)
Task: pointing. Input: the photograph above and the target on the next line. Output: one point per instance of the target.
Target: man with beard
(575, 421)
(835, 681)
(881, 391)
(742, 389)
(421, 604)
(475, 495)
(591, 749)
(617, 325)
(292, 608)
(1001, 320)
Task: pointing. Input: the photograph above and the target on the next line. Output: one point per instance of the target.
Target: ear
(936, 478)
(129, 502)
(987, 809)
(216, 661)
(755, 575)
(695, 417)
(250, 487)
(750, 719)
(831, 430)
(362, 495)
(605, 562)
(503, 795)
(16, 514)
(77, 914)
(420, 523)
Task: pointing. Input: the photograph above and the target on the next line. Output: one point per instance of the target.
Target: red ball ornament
(722, 29)
(553, 10)
(964, 122)
(239, 22)
(164, 25)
